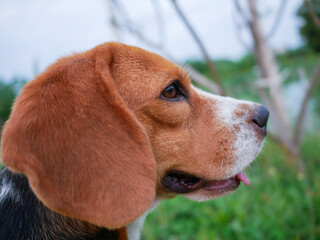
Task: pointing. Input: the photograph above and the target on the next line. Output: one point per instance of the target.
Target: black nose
(261, 117)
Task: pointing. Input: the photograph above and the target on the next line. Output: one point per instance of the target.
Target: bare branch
(276, 119)
(301, 116)
(277, 19)
(239, 35)
(160, 22)
(269, 71)
(209, 62)
(129, 26)
(113, 19)
(203, 80)
(241, 12)
(312, 14)
(122, 12)
(194, 74)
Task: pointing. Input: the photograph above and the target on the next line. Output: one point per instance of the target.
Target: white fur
(246, 144)
(245, 147)
(134, 228)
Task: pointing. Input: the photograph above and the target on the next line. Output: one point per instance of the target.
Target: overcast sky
(35, 33)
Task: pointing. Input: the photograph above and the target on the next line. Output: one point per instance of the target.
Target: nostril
(256, 122)
(261, 116)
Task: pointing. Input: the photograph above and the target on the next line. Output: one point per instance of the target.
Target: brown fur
(94, 138)
(80, 137)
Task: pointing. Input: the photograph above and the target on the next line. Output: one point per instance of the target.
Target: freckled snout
(260, 118)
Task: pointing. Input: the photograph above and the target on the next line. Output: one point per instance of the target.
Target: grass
(279, 204)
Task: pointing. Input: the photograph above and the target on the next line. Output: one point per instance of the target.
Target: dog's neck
(134, 229)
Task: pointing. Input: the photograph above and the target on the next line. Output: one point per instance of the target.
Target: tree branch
(277, 19)
(269, 71)
(203, 80)
(159, 17)
(195, 36)
(113, 20)
(241, 12)
(194, 74)
(238, 33)
(312, 14)
(298, 133)
(129, 26)
(299, 127)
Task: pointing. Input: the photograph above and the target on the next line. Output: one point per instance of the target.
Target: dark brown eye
(174, 92)
(170, 92)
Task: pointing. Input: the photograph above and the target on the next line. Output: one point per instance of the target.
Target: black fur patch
(24, 217)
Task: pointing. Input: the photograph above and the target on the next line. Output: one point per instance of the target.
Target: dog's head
(100, 133)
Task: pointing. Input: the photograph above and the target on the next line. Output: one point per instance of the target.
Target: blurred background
(264, 51)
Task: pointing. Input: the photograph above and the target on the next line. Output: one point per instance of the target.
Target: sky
(35, 33)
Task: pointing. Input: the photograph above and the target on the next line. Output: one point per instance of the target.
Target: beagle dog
(98, 139)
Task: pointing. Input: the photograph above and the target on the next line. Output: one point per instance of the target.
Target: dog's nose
(260, 117)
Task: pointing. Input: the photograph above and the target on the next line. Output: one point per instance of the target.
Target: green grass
(279, 204)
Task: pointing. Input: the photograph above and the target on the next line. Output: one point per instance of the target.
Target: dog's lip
(227, 183)
(181, 182)
(222, 184)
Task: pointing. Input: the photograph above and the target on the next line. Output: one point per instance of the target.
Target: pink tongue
(243, 178)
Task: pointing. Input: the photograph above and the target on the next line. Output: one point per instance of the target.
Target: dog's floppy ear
(84, 152)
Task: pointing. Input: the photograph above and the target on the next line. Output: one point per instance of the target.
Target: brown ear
(83, 151)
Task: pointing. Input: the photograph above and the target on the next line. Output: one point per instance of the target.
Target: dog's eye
(171, 91)
(174, 92)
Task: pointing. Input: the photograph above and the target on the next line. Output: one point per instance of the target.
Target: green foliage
(237, 76)
(6, 99)
(309, 30)
(302, 58)
(279, 204)
(8, 92)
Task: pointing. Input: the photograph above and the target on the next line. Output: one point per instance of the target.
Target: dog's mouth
(181, 182)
